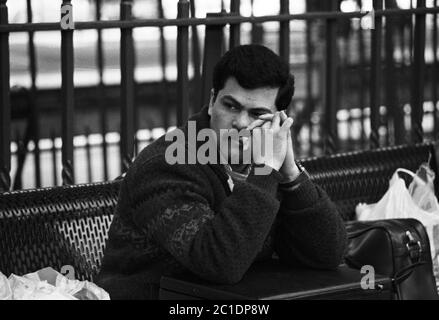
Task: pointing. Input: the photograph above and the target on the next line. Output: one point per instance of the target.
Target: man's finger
(276, 121)
(287, 124)
(266, 116)
(256, 123)
(267, 125)
(290, 139)
(283, 116)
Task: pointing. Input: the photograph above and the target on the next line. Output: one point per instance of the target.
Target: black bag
(398, 248)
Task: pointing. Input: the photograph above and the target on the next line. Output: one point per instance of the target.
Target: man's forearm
(310, 230)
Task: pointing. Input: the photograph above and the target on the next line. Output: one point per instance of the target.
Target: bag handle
(404, 273)
(412, 174)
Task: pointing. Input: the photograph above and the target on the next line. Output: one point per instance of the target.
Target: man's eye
(231, 107)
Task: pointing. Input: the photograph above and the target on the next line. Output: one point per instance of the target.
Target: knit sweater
(180, 218)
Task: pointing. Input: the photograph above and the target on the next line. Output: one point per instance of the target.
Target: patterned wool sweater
(178, 218)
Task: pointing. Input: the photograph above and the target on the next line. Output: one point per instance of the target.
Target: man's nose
(241, 121)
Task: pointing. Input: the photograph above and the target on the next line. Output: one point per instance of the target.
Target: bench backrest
(69, 225)
(55, 227)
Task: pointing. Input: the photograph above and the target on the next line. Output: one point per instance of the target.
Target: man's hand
(273, 135)
(288, 169)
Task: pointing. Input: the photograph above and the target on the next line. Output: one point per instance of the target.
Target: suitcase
(272, 280)
(397, 248)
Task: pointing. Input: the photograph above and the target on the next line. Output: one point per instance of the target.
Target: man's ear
(211, 101)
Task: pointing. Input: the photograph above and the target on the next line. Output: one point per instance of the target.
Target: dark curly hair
(255, 66)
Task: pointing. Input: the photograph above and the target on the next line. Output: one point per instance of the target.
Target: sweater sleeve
(309, 230)
(218, 242)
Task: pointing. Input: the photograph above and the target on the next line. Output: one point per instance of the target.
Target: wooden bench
(69, 225)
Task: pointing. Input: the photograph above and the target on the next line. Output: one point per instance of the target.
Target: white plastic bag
(422, 189)
(5, 288)
(397, 202)
(48, 284)
(31, 289)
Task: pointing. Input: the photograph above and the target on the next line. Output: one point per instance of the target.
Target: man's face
(235, 108)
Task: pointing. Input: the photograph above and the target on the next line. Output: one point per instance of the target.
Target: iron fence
(381, 115)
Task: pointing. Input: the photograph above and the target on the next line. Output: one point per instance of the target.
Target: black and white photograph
(210, 152)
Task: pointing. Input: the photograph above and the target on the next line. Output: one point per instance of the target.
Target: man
(216, 219)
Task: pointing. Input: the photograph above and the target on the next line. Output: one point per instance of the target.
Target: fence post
(284, 33)
(35, 124)
(5, 104)
(435, 72)
(67, 91)
(361, 72)
(257, 32)
(417, 97)
(395, 112)
(235, 29)
(87, 148)
(101, 93)
(164, 105)
(54, 158)
(213, 49)
(309, 78)
(127, 87)
(375, 77)
(330, 144)
(196, 60)
(182, 64)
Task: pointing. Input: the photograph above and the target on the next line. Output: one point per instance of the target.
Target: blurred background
(35, 79)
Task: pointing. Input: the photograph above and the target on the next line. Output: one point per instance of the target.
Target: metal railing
(215, 24)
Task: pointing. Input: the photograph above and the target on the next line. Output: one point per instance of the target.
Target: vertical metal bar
(411, 35)
(309, 78)
(257, 33)
(20, 155)
(435, 71)
(395, 113)
(67, 98)
(88, 154)
(35, 126)
(284, 34)
(341, 70)
(54, 162)
(196, 58)
(330, 144)
(182, 65)
(417, 97)
(362, 75)
(101, 93)
(163, 62)
(127, 87)
(235, 29)
(5, 104)
(213, 48)
(375, 77)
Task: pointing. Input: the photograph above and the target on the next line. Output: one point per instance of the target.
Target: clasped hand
(282, 157)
